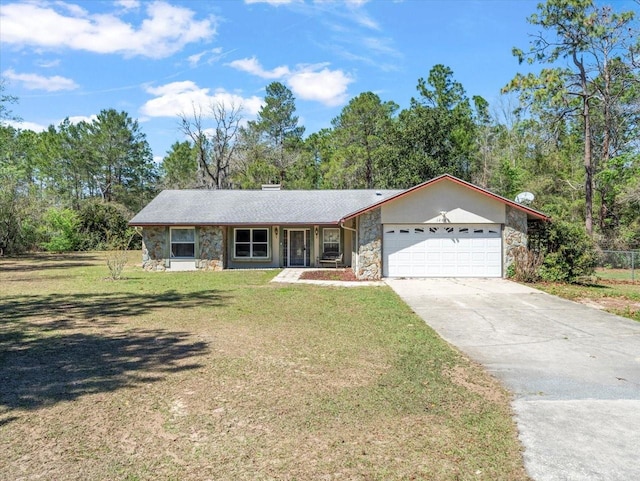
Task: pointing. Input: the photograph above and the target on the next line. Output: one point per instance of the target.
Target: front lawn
(225, 376)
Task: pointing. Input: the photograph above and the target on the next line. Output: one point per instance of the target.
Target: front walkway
(292, 275)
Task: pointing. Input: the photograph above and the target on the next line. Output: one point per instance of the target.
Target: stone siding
(155, 248)
(514, 234)
(211, 247)
(369, 249)
(209, 242)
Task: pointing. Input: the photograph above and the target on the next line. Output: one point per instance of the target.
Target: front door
(297, 248)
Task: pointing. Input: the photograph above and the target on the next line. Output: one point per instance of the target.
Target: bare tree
(214, 146)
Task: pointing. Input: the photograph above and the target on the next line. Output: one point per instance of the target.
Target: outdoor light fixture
(276, 231)
(316, 230)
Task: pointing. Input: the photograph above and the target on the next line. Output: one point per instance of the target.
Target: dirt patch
(330, 275)
(486, 387)
(615, 304)
(618, 296)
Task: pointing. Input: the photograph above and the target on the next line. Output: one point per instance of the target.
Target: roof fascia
(230, 224)
(533, 213)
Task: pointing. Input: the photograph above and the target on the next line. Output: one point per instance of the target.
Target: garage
(442, 250)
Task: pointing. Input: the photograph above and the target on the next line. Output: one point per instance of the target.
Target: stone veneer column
(370, 246)
(514, 234)
(211, 247)
(155, 246)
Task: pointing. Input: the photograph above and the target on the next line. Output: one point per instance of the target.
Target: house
(444, 227)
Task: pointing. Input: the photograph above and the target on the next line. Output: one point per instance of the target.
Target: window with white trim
(331, 241)
(251, 243)
(183, 242)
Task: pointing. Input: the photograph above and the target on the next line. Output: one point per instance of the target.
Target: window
(252, 243)
(183, 243)
(331, 240)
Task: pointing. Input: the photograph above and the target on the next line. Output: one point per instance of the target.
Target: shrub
(103, 224)
(61, 228)
(116, 261)
(117, 253)
(569, 253)
(526, 265)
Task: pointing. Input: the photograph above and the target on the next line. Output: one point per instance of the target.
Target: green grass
(226, 376)
(619, 274)
(618, 297)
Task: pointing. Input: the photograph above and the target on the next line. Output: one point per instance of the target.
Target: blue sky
(155, 59)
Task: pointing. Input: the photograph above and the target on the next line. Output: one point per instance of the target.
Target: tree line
(569, 134)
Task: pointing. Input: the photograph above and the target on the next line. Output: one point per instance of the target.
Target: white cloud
(128, 4)
(178, 98)
(211, 55)
(75, 10)
(357, 3)
(326, 86)
(36, 127)
(165, 30)
(76, 119)
(26, 125)
(34, 81)
(361, 17)
(48, 63)
(252, 66)
(195, 58)
(307, 82)
(380, 46)
(273, 2)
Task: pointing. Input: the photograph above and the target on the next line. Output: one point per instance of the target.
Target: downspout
(357, 245)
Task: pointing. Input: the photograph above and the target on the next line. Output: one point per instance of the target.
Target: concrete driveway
(574, 370)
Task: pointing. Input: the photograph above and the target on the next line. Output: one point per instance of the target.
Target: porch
(296, 246)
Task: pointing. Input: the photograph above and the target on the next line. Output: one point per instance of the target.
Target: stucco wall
(155, 248)
(461, 204)
(514, 234)
(369, 248)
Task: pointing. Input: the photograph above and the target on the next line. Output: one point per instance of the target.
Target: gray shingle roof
(230, 207)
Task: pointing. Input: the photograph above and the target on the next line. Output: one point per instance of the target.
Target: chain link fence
(620, 265)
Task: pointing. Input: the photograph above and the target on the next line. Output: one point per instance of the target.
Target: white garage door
(446, 250)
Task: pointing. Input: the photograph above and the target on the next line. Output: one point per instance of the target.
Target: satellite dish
(525, 198)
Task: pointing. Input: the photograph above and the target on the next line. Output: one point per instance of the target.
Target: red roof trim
(234, 224)
(435, 180)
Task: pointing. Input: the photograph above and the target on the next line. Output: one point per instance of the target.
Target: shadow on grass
(44, 371)
(579, 283)
(89, 306)
(42, 262)
(592, 285)
(56, 348)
